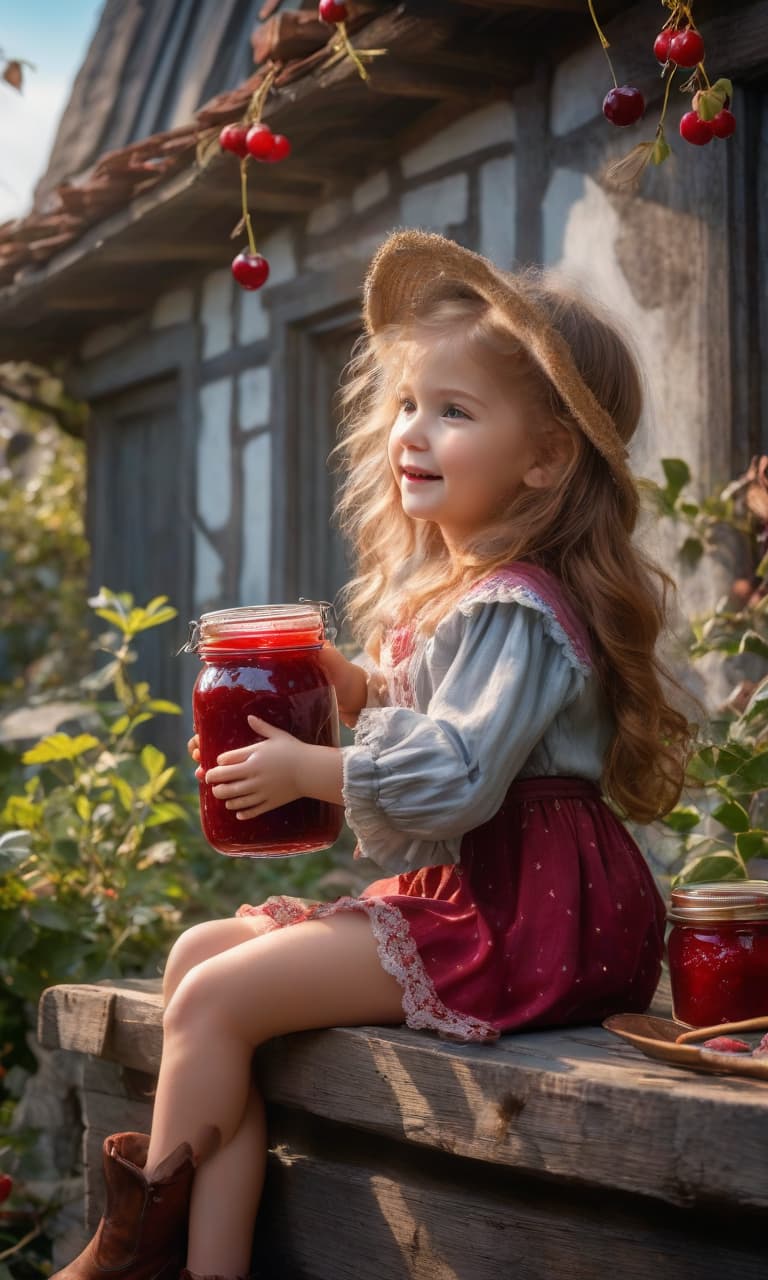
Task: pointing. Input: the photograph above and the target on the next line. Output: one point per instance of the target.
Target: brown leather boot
(142, 1235)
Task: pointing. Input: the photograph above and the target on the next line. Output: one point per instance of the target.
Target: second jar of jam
(718, 952)
(264, 661)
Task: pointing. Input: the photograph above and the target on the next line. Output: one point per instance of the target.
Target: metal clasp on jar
(328, 614)
(192, 642)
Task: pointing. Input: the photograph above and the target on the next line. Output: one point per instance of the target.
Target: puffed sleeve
(415, 783)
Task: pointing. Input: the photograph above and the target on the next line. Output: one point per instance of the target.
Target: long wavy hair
(579, 528)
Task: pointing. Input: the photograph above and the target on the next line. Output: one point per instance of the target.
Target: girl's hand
(193, 747)
(348, 680)
(262, 776)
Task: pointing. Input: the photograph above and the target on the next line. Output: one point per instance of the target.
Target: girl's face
(459, 447)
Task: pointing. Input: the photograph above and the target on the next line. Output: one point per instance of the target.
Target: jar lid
(720, 900)
(262, 627)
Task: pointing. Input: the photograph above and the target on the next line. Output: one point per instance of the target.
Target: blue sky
(54, 35)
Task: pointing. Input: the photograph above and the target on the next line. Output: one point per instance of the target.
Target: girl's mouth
(417, 476)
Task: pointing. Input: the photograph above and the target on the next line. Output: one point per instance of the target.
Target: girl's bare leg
(227, 1188)
(319, 973)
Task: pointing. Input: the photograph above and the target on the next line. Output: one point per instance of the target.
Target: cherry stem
(663, 115)
(244, 194)
(345, 46)
(603, 41)
(256, 105)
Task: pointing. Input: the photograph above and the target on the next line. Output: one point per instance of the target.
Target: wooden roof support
(162, 251)
(545, 6)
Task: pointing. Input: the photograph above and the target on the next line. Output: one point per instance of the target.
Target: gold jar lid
(720, 900)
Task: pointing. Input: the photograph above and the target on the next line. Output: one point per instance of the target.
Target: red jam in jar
(264, 661)
(718, 952)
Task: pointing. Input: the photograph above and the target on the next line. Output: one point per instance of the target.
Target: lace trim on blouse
(499, 590)
(399, 956)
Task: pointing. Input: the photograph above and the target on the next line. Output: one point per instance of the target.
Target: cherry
(686, 48)
(661, 45)
(281, 149)
(6, 1186)
(331, 12)
(259, 141)
(724, 124)
(250, 270)
(232, 138)
(727, 1044)
(623, 106)
(695, 130)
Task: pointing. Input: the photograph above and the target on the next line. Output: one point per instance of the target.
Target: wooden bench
(552, 1154)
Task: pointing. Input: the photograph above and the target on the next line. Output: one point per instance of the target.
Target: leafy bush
(724, 828)
(102, 863)
(43, 555)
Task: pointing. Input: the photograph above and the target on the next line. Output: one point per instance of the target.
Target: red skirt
(551, 917)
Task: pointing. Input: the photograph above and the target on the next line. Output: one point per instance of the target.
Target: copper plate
(656, 1038)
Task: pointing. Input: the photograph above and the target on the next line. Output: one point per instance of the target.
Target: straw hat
(413, 266)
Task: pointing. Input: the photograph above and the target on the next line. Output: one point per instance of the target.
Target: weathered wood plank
(110, 1106)
(547, 1103)
(325, 1211)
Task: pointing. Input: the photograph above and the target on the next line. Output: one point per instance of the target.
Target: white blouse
(498, 692)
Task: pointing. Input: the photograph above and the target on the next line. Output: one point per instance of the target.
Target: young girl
(510, 682)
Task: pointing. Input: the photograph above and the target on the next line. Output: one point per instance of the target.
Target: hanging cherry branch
(679, 47)
(252, 139)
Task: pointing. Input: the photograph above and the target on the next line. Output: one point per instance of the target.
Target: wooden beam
(109, 301)
(409, 80)
(161, 251)
(430, 7)
(545, 6)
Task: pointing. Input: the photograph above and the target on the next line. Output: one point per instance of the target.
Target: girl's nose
(412, 431)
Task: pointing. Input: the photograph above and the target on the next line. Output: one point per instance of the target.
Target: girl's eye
(451, 409)
(407, 406)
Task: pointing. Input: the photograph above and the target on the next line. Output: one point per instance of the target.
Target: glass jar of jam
(264, 661)
(718, 952)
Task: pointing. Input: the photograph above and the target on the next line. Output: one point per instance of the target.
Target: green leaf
(751, 642)
(753, 775)
(19, 811)
(691, 551)
(732, 815)
(155, 603)
(752, 844)
(83, 808)
(690, 509)
(702, 766)
(120, 725)
(713, 866)
(117, 619)
(124, 791)
(167, 811)
(49, 915)
(677, 475)
(661, 150)
(60, 746)
(756, 703)
(161, 704)
(152, 760)
(153, 788)
(141, 620)
(683, 818)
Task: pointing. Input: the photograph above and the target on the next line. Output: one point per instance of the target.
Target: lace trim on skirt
(399, 956)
